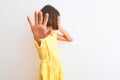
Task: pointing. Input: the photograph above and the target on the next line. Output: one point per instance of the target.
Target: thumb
(48, 33)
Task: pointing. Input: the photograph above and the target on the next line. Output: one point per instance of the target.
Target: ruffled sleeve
(40, 49)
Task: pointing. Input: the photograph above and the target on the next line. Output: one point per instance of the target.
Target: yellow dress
(50, 65)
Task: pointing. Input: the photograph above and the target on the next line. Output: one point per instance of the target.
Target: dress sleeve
(40, 49)
(55, 34)
(36, 44)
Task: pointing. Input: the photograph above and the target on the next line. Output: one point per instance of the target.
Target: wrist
(38, 40)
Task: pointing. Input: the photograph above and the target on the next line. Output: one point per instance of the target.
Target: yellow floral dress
(50, 65)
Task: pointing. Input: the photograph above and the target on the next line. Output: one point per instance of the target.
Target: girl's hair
(53, 16)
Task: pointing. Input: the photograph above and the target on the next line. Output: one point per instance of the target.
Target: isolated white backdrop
(94, 25)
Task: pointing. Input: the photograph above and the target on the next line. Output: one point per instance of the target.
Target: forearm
(37, 40)
(65, 34)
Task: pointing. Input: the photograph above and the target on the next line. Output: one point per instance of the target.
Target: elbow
(70, 40)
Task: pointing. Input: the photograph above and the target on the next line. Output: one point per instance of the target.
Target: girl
(46, 21)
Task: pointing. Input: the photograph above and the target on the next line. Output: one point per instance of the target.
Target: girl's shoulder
(54, 33)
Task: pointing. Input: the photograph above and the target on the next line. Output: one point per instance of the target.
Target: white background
(94, 25)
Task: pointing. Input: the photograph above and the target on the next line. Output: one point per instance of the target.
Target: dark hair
(53, 16)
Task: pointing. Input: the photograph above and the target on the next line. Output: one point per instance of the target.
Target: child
(46, 21)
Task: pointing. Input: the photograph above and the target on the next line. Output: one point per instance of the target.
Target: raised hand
(65, 35)
(39, 27)
(59, 22)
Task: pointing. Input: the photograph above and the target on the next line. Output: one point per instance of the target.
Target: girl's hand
(65, 36)
(59, 22)
(39, 27)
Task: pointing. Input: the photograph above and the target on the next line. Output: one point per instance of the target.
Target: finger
(58, 20)
(46, 19)
(36, 17)
(40, 18)
(29, 20)
(31, 25)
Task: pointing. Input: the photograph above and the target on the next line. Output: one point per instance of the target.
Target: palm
(39, 27)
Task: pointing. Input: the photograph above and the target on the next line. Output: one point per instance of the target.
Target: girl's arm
(65, 35)
(39, 27)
